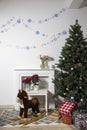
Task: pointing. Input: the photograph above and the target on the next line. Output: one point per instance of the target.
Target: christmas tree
(71, 78)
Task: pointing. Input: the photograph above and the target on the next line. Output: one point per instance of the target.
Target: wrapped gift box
(80, 120)
(67, 119)
(67, 107)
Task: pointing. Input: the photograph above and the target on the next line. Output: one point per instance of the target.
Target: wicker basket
(66, 119)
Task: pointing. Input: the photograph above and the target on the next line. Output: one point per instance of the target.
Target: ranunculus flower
(27, 80)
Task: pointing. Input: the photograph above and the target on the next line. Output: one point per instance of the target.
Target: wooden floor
(44, 127)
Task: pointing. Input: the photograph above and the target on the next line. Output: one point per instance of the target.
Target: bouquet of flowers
(32, 79)
(46, 58)
(27, 80)
(44, 61)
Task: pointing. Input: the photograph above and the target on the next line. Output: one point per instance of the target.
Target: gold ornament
(67, 89)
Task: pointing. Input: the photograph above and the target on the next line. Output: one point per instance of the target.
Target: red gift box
(67, 107)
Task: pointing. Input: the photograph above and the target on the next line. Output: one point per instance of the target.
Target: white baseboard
(6, 106)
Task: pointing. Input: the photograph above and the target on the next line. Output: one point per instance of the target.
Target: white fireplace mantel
(46, 74)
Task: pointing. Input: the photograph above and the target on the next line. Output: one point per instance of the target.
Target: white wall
(14, 37)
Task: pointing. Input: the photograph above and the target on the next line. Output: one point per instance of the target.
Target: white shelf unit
(46, 76)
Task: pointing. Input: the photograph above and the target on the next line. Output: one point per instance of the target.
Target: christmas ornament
(79, 64)
(64, 93)
(72, 98)
(80, 78)
(81, 100)
(67, 72)
(76, 34)
(67, 89)
(71, 68)
(80, 87)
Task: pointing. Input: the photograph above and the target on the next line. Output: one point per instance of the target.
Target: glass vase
(36, 87)
(44, 64)
(27, 87)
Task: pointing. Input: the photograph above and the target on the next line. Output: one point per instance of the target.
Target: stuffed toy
(25, 103)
